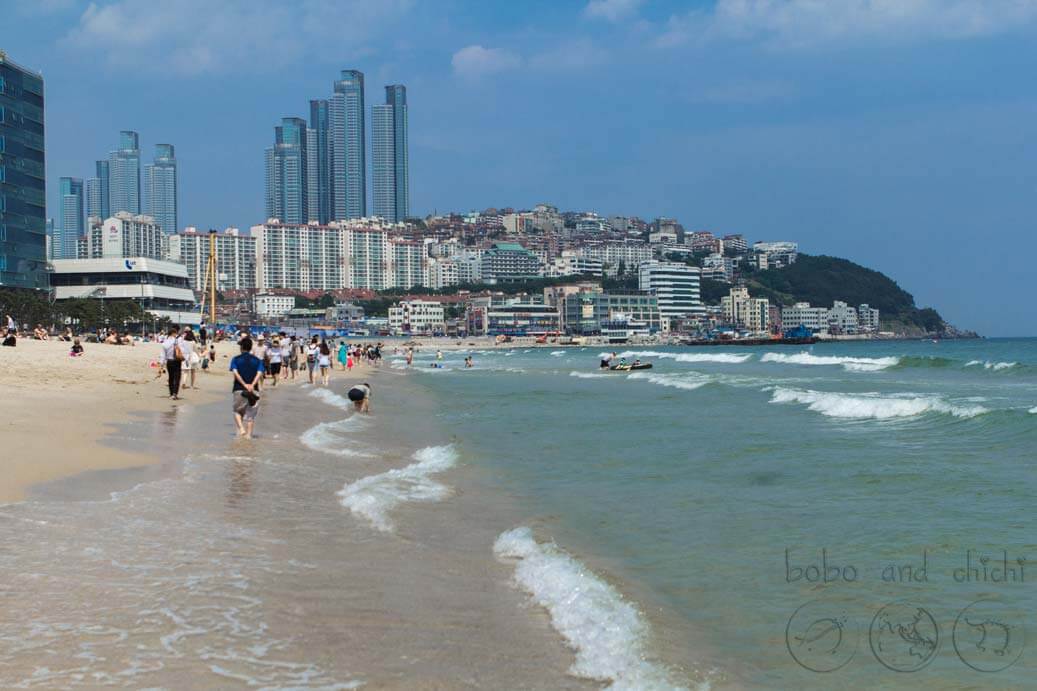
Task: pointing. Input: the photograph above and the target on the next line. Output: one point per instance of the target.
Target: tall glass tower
(97, 192)
(291, 173)
(160, 188)
(390, 165)
(347, 134)
(320, 123)
(66, 237)
(23, 198)
(124, 174)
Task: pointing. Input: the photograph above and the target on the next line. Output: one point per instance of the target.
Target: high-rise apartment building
(676, 285)
(66, 236)
(235, 257)
(320, 123)
(292, 182)
(123, 235)
(23, 197)
(124, 175)
(389, 153)
(299, 256)
(160, 188)
(347, 155)
(97, 192)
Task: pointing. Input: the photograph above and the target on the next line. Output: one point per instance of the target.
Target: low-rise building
(775, 255)
(740, 309)
(511, 317)
(842, 319)
(802, 314)
(268, 305)
(417, 316)
(507, 262)
(159, 287)
(867, 319)
(588, 313)
(735, 242)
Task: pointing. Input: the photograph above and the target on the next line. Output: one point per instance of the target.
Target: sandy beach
(57, 409)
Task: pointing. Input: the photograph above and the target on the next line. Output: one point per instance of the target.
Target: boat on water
(628, 368)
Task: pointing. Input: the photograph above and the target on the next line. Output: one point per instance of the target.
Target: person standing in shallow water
(248, 370)
(172, 359)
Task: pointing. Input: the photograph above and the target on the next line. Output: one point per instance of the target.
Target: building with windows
(417, 316)
(441, 273)
(235, 257)
(369, 257)
(160, 287)
(23, 195)
(320, 123)
(735, 242)
(292, 183)
(718, 267)
(802, 314)
(267, 305)
(124, 175)
(160, 189)
(775, 255)
(509, 261)
(389, 153)
(621, 255)
(296, 256)
(573, 263)
(71, 228)
(123, 235)
(97, 199)
(491, 316)
(347, 157)
(408, 262)
(677, 287)
(867, 319)
(584, 313)
(842, 318)
(740, 309)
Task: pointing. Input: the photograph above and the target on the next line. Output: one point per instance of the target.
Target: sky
(899, 134)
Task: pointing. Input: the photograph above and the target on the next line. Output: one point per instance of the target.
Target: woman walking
(191, 358)
(342, 355)
(325, 363)
(312, 355)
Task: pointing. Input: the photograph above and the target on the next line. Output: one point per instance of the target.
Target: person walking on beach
(172, 359)
(344, 355)
(275, 357)
(293, 356)
(248, 370)
(410, 357)
(312, 355)
(324, 360)
(191, 358)
(360, 395)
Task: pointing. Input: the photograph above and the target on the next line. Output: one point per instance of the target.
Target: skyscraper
(320, 123)
(97, 192)
(347, 136)
(390, 165)
(160, 188)
(72, 227)
(23, 203)
(291, 173)
(124, 174)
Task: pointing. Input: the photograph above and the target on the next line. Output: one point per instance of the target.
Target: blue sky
(897, 133)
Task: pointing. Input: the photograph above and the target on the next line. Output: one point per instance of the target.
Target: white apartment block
(268, 305)
(123, 235)
(802, 314)
(235, 257)
(629, 255)
(441, 273)
(675, 285)
(299, 256)
(742, 310)
(867, 318)
(417, 316)
(842, 318)
(408, 263)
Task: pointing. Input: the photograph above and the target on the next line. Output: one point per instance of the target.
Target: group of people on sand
(183, 352)
(280, 357)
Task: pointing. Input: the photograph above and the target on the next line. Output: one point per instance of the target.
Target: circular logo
(989, 636)
(821, 636)
(904, 637)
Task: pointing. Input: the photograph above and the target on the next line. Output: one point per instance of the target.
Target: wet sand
(233, 564)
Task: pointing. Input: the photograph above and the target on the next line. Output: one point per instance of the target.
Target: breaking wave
(589, 375)
(995, 366)
(872, 406)
(730, 358)
(332, 398)
(851, 364)
(329, 437)
(607, 633)
(672, 381)
(375, 496)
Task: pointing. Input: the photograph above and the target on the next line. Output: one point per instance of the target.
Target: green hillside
(820, 280)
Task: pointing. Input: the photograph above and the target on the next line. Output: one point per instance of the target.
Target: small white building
(867, 318)
(802, 314)
(842, 318)
(268, 305)
(417, 316)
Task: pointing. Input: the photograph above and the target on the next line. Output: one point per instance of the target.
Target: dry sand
(55, 409)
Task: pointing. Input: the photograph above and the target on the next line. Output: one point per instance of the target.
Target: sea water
(837, 515)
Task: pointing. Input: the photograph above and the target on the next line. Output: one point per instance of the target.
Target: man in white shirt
(171, 363)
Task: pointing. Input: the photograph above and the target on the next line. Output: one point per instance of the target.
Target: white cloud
(611, 10)
(802, 23)
(198, 36)
(476, 61)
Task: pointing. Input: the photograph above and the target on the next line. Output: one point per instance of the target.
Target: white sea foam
(589, 375)
(332, 398)
(558, 353)
(852, 364)
(1033, 410)
(670, 380)
(607, 632)
(375, 496)
(996, 366)
(872, 406)
(730, 358)
(329, 437)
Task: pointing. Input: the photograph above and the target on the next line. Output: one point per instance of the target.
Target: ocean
(851, 515)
